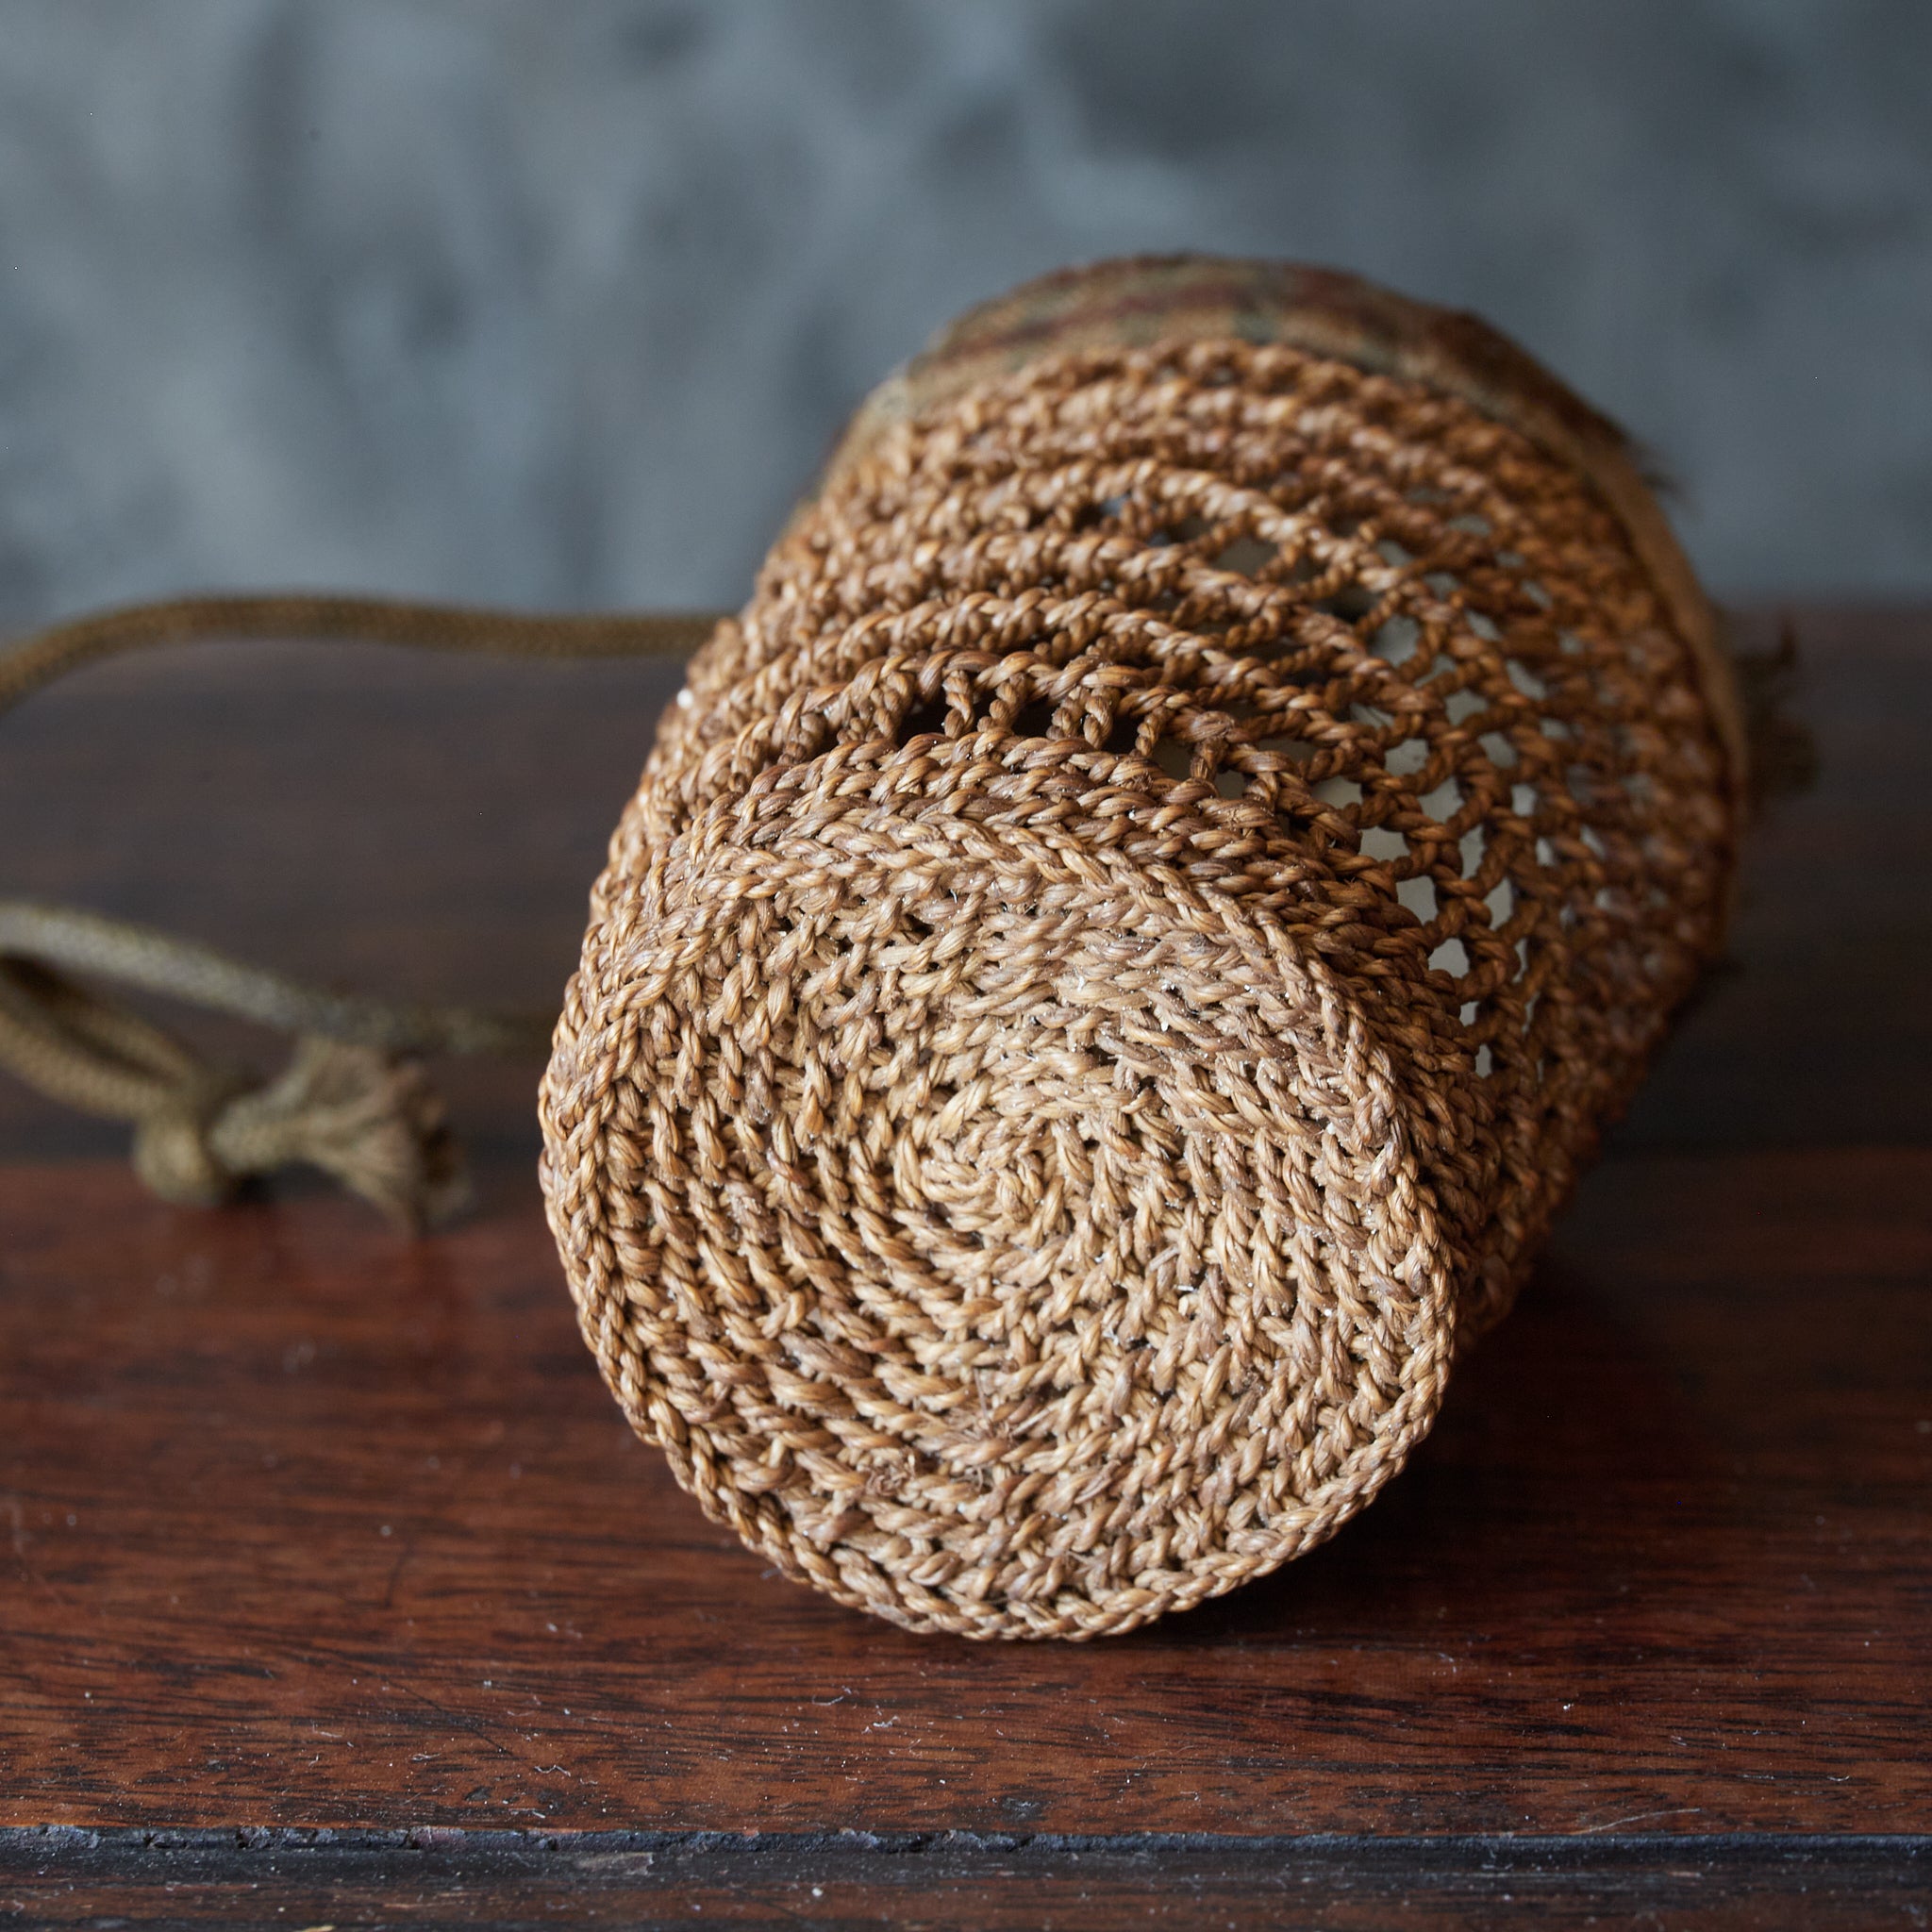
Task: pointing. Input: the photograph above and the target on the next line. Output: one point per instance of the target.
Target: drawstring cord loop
(353, 1099)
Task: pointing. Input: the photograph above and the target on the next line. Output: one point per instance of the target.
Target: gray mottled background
(557, 301)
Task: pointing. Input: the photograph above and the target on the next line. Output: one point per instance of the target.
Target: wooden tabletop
(335, 1590)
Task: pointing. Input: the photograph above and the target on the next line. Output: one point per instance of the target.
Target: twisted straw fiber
(1121, 950)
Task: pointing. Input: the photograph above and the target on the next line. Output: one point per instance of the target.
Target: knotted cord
(353, 1099)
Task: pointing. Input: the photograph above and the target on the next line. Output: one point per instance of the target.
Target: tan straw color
(1124, 944)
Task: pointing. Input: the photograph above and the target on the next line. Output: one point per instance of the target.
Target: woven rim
(1143, 300)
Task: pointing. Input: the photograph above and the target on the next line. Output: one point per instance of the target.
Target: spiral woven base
(1121, 948)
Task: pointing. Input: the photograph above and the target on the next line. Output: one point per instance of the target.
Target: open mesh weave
(1117, 957)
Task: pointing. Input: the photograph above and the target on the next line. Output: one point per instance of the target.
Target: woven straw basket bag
(1118, 954)
(1123, 943)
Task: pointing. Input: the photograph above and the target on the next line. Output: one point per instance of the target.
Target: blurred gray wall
(557, 301)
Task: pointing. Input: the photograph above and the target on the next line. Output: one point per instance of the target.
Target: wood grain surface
(308, 1529)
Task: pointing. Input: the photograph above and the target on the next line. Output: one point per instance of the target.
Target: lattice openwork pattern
(1117, 957)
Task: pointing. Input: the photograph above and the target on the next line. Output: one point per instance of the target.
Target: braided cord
(352, 1100)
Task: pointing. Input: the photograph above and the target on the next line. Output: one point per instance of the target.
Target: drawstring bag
(1120, 951)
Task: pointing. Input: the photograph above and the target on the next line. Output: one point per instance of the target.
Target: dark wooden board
(1818, 1029)
(426, 1880)
(310, 1525)
(307, 1527)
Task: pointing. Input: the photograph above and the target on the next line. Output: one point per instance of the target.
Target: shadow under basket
(1124, 944)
